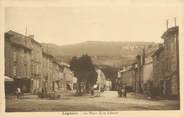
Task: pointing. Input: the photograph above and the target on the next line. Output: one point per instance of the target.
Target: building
(159, 80)
(147, 77)
(68, 77)
(166, 65)
(101, 79)
(144, 70)
(171, 49)
(127, 76)
(32, 69)
(108, 85)
(58, 76)
(47, 73)
(36, 67)
(18, 59)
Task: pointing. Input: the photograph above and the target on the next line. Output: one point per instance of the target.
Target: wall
(128, 78)
(148, 72)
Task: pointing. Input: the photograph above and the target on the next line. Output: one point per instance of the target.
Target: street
(108, 101)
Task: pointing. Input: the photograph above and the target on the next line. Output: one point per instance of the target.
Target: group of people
(122, 90)
(96, 90)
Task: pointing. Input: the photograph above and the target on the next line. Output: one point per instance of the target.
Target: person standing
(125, 91)
(18, 93)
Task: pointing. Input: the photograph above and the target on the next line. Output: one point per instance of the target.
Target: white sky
(67, 25)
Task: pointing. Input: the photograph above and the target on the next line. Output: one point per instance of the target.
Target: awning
(8, 79)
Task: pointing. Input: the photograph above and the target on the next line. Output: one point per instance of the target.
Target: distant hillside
(107, 53)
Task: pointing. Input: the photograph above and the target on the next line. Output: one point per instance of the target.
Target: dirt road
(107, 101)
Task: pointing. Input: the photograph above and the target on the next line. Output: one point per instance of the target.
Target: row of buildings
(32, 68)
(156, 72)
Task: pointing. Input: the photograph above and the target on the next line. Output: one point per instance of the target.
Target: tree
(84, 71)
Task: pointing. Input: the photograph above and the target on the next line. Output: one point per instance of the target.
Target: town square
(106, 58)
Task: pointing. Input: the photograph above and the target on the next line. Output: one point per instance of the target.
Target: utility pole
(174, 21)
(25, 37)
(143, 56)
(167, 23)
(26, 31)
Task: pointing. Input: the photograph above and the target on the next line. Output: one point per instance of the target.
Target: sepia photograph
(91, 58)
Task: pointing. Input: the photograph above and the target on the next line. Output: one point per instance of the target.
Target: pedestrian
(119, 87)
(18, 93)
(125, 91)
(92, 90)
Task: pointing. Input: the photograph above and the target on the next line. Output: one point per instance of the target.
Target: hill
(102, 52)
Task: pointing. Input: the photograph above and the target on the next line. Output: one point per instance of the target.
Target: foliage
(84, 69)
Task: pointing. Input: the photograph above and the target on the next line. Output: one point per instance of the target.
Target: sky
(75, 24)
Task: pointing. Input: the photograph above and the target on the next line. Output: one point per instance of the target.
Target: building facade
(47, 73)
(68, 77)
(147, 77)
(36, 67)
(101, 79)
(158, 71)
(32, 69)
(18, 59)
(171, 46)
(127, 76)
(166, 65)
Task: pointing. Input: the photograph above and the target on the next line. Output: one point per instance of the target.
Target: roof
(127, 68)
(56, 62)
(8, 79)
(18, 35)
(47, 54)
(33, 40)
(170, 31)
(17, 40)
(64, 64)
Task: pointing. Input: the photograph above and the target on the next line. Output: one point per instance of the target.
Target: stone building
(36, 67)
(147, 77)
(101, 79)
(58, 76)
(18, 59)
(159, 81)
(47, 73)
(127, 76)
(166, 65)
(68, 76)
(171, 50)
(33, 69)
(144, 70)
